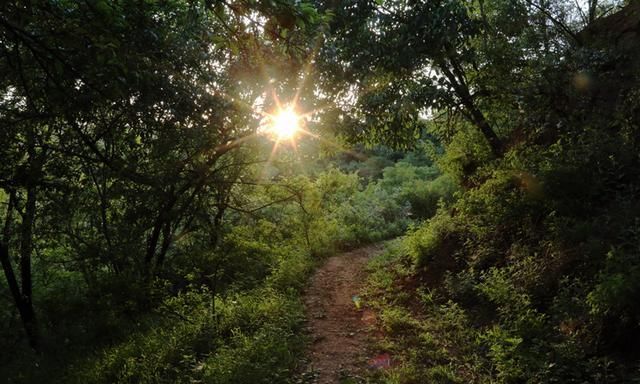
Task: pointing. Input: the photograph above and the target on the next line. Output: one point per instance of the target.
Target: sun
(285, 124)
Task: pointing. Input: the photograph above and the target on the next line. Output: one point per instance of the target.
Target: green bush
(250, 335)
(426, 243)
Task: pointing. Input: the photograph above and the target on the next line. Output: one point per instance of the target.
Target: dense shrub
(225, 308)
(248, 336)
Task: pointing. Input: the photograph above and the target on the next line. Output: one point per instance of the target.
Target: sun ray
(307, 69)
(235, 142)
(272, 156)
(286, 124)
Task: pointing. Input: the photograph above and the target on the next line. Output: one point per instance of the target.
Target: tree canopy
(139, 185)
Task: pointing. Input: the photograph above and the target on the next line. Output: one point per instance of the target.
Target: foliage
(127, 138)
(144, 239)
(535, 258)
(225, 306)
(249, 337)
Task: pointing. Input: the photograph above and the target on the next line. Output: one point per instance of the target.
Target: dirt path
(338, 329)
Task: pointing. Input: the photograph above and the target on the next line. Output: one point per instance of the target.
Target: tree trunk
(483, 125)
(152, 242)
(474, 115)
(593, 8)
(164, 218)
(26, 249)
(23, 303)
(167, 237)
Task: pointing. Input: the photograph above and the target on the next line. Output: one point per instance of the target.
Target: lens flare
(285, 124)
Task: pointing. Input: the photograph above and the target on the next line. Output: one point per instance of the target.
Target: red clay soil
(339, 331)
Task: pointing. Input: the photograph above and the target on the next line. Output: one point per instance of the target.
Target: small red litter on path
(380, 362)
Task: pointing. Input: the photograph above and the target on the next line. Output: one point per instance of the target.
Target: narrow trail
(339, 330)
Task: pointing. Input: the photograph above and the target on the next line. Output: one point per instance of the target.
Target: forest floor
(340, 331)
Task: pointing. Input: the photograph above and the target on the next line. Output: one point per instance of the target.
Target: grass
(425, 337)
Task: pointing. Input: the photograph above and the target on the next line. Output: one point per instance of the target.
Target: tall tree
(400, 63)
(122, 119)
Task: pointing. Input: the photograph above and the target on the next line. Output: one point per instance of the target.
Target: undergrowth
(221, 313)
